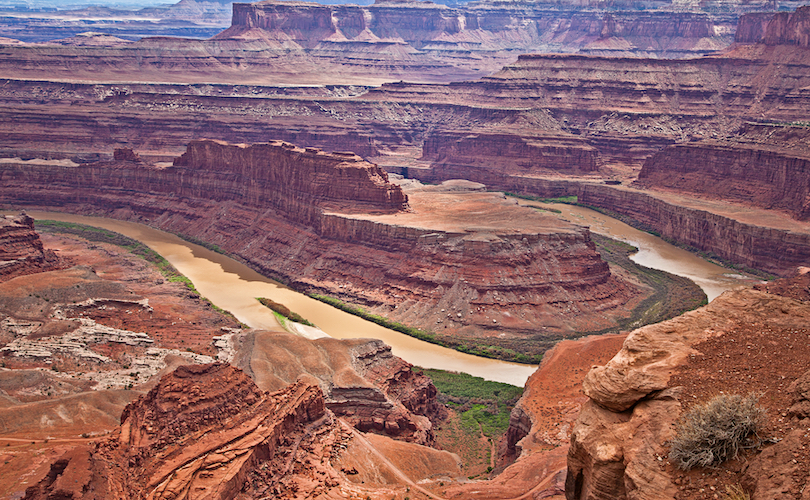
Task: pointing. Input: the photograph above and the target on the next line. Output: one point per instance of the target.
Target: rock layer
(767, 166)
(21, 250)
(199, 433)
(310, 234)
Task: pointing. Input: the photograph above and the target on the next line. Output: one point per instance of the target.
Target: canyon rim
(373, 156)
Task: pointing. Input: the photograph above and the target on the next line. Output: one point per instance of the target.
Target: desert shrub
(735, 493)
(713, 432)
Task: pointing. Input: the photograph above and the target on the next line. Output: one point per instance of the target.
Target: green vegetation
(568, 200)
(711, 433)
(283, 311)
(374, 318)
(134, 247)
(466, 345)
(484, 406)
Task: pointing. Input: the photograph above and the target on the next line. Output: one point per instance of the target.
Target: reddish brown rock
(761, 165)
(202, 429)
(619, 445)
(363, 383)
(21, 250)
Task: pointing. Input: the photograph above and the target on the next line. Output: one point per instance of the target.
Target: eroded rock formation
(21, 250)
(362, 382)
(620, 442)
(204, 431)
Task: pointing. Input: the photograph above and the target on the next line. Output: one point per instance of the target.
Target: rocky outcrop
(203, 431)
(362, 382)
(21, 250)
(619, 443)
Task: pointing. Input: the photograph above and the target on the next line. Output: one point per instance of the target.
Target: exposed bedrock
(202, 429)
(362, 382)
(507, 154)
(21, 250)
(766, 166)
(534, 278)
(620, 441)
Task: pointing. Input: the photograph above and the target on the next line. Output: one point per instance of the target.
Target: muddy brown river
(234, 286)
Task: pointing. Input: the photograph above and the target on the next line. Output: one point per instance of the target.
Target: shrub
(713, 432)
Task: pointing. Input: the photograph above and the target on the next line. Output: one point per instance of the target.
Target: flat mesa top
(436, 209)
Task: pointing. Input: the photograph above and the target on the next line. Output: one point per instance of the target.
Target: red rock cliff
(757, 167)
(21, 250)
(263, 173)
(203, 429)
(789, 28)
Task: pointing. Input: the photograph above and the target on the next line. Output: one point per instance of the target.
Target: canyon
(322, 169)
(451, 260)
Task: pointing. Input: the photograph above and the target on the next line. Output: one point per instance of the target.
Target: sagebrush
(713, 432)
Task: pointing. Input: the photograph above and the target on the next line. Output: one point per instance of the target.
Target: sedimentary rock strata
(761, 165)
(291, 212)
(21, 250)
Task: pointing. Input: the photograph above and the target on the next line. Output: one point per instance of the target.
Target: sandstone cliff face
(762, 171)
(619, 444)
(789, 28)
(484, 157)
(278, 173)
(21, 250)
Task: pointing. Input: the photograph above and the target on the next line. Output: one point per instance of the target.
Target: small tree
(713, 432)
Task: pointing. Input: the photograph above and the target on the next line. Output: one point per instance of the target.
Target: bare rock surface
(21, 250)
(619, 446)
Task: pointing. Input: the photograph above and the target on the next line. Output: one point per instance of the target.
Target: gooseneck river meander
(234, 287)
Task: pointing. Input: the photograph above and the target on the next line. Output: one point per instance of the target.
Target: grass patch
(483, 405)
(568, 200)
(284, 311)
(135, 247)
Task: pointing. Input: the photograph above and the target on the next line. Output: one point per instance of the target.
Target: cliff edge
(745, 341)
